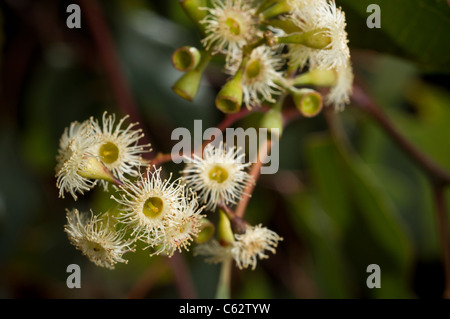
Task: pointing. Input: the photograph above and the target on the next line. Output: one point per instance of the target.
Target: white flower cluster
(97, 239)
(89, 151)
(159, 212)
(268, 42)
(164, 214)
(323, 18)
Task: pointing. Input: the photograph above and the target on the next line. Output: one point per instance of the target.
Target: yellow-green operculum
(97, 238)
(118, 147)
(229, 26)
(186, 58)
(229, 98)
(219, 176)
(151, 206)
(77, 167)
(324, 44)
(260, 75)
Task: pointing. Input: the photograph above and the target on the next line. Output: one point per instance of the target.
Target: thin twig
(436, 173)
(227, 210)
(439, 178)
(160, 159)
(183, 278)
(230, 119)
(289, 115)
(254, 173)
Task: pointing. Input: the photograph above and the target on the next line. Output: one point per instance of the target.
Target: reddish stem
(438, 177)
(183, 278)
(254, 173)
(437, 174)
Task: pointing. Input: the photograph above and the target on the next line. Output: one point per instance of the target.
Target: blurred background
(337, 212)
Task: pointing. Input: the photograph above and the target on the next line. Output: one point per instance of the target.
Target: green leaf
(327, 177)
(377, 226)
(405, 183)
(256, 286)
(413, 29)
(428, 130)
(314, 226)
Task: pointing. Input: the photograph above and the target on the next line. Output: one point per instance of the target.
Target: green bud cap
(207, 230)
(316, 77)
(186, 58)
(229, 98)
(287, 26)
(225, 235)
(95, 169)
(265, 4)
(308, 102)
(278, 8)
(316, 39)
(187, 86)
(193, 11)
(273, 119)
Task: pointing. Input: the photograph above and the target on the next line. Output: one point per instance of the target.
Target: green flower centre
(233, 26)
(153, 206)
(218, 174)
(109, 152)
(253, 69)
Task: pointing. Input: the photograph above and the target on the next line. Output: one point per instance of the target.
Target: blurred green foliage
(340, 206)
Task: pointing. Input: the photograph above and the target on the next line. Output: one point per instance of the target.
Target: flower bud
(229, 98)
(187, 86)
(193, 11)
(278, 8)
(265, 4)
(207, 230)
(308, 102)
(186, 58)
(94, 169)
(316, 39)
(316, 77)
(225, 235)
(273, 121)
(287, 26)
